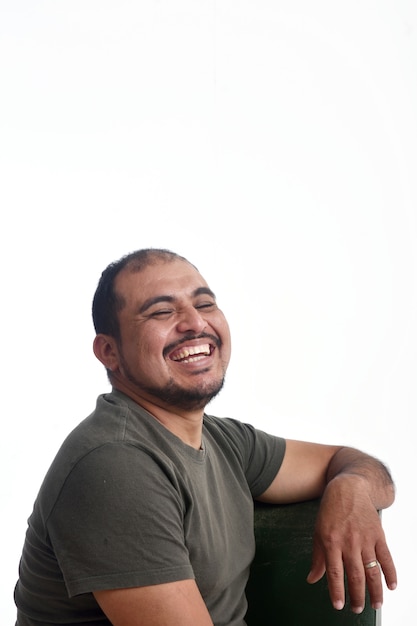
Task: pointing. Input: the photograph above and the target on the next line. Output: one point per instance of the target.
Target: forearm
(376, 477)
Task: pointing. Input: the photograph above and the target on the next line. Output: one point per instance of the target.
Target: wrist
(355, 487)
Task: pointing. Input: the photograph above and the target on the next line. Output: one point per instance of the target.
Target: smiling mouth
(190, 354)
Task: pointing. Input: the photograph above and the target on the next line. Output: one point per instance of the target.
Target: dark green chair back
(277, 591)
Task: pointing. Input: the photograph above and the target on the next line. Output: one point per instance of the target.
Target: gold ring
(371, 564)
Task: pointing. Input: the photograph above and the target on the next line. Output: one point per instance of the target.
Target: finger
(356, 578)
(336, 580)
(318, 568)
(373, 582)
(334, 570)
(387, 565)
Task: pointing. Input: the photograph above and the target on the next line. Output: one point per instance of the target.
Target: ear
(105, 349)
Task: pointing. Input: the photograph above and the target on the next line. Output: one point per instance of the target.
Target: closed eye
(206, 305)
(161, 313)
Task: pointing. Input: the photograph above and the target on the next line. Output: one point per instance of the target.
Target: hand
(348, 536)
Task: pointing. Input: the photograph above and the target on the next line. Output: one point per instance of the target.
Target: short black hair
(106, 302)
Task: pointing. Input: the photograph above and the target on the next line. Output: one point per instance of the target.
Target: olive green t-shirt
(126, 503)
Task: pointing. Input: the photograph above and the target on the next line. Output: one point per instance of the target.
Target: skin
(169, 309)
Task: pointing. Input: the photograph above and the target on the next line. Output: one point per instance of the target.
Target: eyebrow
(151, 301)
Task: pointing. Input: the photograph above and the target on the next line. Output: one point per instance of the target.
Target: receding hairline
(109, 301)
(136, 266)
(153, 257)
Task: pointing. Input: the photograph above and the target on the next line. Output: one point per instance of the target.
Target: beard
(174, 395)
(186, 399)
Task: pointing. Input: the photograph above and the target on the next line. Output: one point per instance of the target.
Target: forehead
(174, 278)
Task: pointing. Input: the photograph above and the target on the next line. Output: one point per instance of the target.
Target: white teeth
(196, 358)
(201, 351)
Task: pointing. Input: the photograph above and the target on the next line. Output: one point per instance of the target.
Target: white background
(274, 144)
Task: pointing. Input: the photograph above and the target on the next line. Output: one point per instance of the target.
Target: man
(145, 517)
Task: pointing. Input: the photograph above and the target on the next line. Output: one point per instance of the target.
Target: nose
(190, 319)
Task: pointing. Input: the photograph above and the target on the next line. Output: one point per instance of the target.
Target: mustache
(170, 347)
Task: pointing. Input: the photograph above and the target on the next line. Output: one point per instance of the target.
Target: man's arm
(170, 604)
(352, 486)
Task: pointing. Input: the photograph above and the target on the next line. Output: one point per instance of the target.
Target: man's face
(174, 341)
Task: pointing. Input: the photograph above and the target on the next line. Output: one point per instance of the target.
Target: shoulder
(106, 447)
(242, 437)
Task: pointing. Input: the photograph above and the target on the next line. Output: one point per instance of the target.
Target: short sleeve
(118, 522)
(265, 459)
(258, 453)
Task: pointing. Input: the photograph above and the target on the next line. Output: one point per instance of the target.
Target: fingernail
(377, 605)
(392, 586)
(338, 605)
(357, 609)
